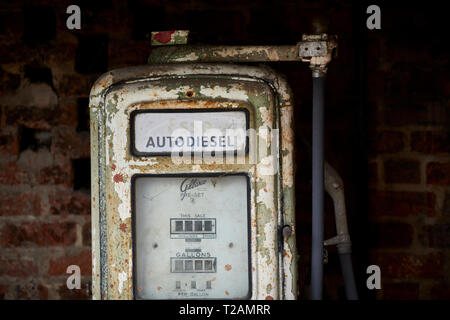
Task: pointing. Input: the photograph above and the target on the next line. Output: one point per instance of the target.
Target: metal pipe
(200, 53)
(317, 187)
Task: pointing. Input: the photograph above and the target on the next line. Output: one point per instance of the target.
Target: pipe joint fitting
(318, 50)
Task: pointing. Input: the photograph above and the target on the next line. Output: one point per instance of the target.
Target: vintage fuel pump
(193, 173)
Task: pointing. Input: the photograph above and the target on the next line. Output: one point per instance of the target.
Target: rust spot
(139, 289)
(118, 178)
(158, 288)
(113, 167)
(123, 227)
(269, 298)
(228, 267)
(227, 293)
(287, 255)
(164, 36)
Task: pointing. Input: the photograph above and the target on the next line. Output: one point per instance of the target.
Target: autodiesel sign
(163, 132)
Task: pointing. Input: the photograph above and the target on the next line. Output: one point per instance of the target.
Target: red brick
(38, 234)
(17, 267)
(391, 235)
(32, 117)
(9, 143)
(63, 52)
(12, 24)
(127, 53)
(69, 202)
(73, 294)
(440, 292)
(430, 142)
(3, 291)
(421, 111)
(401, 204)
(8, 81)
(436, 236)
(66, 141)
(386, 142)
(55, 175)
(11, 174)
(14, 53)
(405, 266)
(75, 85)
(402, 171)
(438, 173)
(82, 259)
(446, 209)
(13, 203)
(43, 292)
(400, 291)
(87, 234)
(30, 291)
(67, 112)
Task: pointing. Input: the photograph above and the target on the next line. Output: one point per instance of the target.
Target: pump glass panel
(191, 236)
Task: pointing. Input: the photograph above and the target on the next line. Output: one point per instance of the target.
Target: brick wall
(45, 77)
(409, 158)
(387, 121)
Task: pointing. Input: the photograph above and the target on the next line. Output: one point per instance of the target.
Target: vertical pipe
(317, 187)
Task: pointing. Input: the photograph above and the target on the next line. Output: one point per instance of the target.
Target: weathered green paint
(170, 37)
(196, 53)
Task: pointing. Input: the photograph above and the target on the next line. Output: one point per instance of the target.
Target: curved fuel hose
(335, 188)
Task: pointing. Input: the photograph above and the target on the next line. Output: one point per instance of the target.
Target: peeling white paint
(232, 92)
(122, 279)
(191, 56)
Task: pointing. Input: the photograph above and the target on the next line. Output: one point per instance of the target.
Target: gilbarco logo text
(189, 184)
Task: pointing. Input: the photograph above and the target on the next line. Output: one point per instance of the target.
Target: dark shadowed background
(387, 131)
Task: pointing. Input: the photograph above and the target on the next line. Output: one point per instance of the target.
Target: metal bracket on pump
(318, 50)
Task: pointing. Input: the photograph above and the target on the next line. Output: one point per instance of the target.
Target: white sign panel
(163, 132)
(192, 237)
